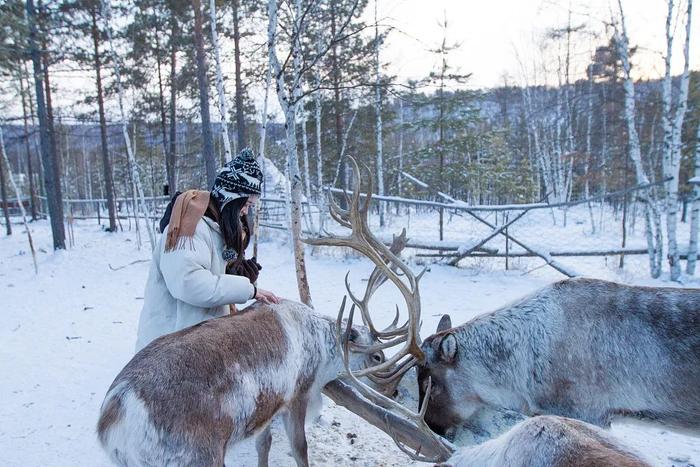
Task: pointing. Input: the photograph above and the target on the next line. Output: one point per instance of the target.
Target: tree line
(164, 91)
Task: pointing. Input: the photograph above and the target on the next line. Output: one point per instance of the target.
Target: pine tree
(52, 183)
(448, 114)
(203, 82)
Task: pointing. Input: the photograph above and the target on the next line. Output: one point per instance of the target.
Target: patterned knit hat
(238, 178)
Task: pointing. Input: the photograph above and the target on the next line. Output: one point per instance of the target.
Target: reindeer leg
(262, 445)
(294, 420)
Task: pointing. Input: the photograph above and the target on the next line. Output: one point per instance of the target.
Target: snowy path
(68, 331)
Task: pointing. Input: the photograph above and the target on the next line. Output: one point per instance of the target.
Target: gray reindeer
(188, 396)
(497, 363)
(581, 348)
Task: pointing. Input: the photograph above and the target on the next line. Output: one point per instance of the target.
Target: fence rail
(586, 228)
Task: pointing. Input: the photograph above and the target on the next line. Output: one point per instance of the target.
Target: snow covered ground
(67, 332)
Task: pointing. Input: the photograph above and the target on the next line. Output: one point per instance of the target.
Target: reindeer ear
(448, 348)
(444, 324)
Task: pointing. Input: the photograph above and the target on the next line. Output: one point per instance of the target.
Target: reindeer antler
(389, 266)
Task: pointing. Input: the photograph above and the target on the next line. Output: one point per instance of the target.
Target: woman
(207, 233)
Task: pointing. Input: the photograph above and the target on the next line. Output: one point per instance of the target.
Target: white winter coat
(189, 285)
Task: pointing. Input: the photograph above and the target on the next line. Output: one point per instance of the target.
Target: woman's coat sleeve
(187, 274)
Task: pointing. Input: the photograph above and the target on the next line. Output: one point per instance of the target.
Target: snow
(69, 330)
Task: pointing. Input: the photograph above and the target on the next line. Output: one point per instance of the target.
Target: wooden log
(457, 205)
(481, 243)
(544, 255)
(522, 254)
(440, 246)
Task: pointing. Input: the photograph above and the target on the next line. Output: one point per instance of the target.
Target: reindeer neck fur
(500, 349)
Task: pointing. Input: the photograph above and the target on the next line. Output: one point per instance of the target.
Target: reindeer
(187, 396)
(581, 348)
(545, 441)
(460, 371)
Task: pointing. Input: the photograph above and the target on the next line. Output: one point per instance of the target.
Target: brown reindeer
(187, 396)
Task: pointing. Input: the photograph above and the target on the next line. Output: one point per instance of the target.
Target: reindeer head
(440, 351)
(362, 348)
(456, 400)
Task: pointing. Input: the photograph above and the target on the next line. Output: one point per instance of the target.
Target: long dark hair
(234, 227)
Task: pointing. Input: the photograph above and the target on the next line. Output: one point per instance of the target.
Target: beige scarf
(189, 208)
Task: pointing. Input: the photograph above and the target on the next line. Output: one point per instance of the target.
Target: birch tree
(288, 88)
(3, 193)
(171, 157)
(672, 126)
(223, 107)
(261, 154)
(320, 195)
(378, 112)
(307, 172)
(139, 201)
(288, 76)
(240, 115)
(4, 159)
(25, 120)
(652, 217)
(401, 125)
(695, 209)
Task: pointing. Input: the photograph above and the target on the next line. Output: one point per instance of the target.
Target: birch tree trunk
(140, 202)
(263, 121)
(587, 165)
(223, 108)
(307, 174)
(240, 115)
(170, 160)
(672, 126)
(400, 177)
(652, 217)
(336, 72)
(320, 195)
(289, 99)
(378, 124)
(6, 161)
(3, 191)
(694, 210)
(30, 171)
(261, 155)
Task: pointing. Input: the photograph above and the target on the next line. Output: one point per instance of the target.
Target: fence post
(507, 239)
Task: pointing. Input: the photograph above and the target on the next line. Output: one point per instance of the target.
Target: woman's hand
(249, 268)
(266, 296)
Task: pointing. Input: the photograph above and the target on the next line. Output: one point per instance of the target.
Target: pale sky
(493, 33)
